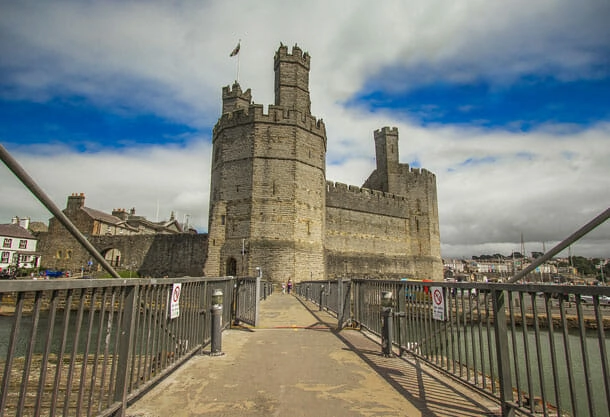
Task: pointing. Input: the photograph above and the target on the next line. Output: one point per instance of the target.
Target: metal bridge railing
(548, 354)
(87, 347)
(333, 296)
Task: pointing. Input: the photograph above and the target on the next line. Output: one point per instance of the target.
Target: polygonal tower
(267, 196)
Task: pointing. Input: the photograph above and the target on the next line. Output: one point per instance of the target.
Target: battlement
(384, 131)
(332, 186)
(297, 56)
(351, 197)
(254, 113)
(421, 172)
(235, 91)
(234, 98)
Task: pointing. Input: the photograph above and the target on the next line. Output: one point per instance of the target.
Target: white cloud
(171, 59)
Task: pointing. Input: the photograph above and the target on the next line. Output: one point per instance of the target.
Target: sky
(508, 103)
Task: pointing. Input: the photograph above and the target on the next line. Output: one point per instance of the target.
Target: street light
(260, 271)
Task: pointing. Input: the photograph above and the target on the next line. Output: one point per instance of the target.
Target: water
(542, 368)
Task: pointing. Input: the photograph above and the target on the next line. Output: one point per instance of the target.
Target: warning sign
(438, 303)
(174, 305)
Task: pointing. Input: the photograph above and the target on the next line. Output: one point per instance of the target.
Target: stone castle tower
(267, 202)
(272, 208)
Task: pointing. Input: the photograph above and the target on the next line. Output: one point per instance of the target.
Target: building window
(223, 219)
(23, 244)
(5, 257)
(58, 254)
(7, 242)
(69, 254)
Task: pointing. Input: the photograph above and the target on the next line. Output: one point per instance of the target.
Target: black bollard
(386, 324)
(321, 297)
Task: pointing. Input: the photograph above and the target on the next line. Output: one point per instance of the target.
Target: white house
(17, 246)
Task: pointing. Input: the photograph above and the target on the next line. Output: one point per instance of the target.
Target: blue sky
(85, 126)
(507, 103)
(525, 105)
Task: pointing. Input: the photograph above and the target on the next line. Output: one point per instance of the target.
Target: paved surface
(295, 364)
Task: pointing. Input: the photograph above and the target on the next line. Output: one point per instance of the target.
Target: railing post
(126, 338)
(502, 353)
(257, 301)
(340, 318)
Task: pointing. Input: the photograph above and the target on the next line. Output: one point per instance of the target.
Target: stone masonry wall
(149, 255)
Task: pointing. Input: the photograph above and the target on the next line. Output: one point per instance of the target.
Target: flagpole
(237, 76)
(238, 54)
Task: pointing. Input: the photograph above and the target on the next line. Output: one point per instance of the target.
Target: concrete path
(295, 364)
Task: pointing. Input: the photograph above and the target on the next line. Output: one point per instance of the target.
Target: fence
(87, 347)
(548, 354)
(249, 290)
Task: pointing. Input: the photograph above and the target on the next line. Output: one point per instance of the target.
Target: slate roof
(14, 230)
(132, 222)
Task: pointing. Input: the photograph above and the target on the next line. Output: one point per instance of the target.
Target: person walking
(289, 285)
(283, 288)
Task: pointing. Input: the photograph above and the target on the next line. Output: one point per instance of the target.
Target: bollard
(321, 297)
(216, 343)
(386, 323)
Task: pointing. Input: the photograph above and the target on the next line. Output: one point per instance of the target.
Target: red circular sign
(176, 294)
(438, 297)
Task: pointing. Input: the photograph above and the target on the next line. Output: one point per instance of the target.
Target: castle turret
(292, 79)
(233, 99)
(386, 151)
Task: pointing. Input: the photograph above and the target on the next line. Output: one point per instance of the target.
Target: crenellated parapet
(279, 115)
(351, 197)
(420, 176)
(297, 56)
(384, 131)
(234, 98)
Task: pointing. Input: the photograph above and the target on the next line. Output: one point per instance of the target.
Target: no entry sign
(438, 303)
(174, 306)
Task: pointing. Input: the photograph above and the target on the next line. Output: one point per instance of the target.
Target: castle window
(417, 225)
(223, 219)
(68, 254)
(308, 227)
(273, 188)
(58, 254)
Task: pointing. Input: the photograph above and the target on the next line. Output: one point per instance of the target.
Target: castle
(272, 209)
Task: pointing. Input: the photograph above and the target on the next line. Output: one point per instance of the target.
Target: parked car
(53, 274)
(587, 299)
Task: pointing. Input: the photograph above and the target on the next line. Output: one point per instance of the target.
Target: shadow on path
(433, 393)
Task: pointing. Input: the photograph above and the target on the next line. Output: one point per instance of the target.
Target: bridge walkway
(296, 364)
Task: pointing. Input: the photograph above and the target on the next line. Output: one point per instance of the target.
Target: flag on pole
(235, 50)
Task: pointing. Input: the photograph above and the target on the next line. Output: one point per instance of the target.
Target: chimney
(76, 201)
